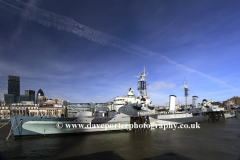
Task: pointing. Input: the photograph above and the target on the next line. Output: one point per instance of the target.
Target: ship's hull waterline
(33, 126)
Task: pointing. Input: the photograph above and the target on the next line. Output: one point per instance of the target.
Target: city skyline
(90, 51)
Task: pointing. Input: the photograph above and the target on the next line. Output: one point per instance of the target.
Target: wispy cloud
(59, 22)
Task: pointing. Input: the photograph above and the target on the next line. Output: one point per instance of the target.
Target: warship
(141, 111)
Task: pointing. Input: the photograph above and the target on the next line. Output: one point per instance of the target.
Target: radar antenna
(142, 85)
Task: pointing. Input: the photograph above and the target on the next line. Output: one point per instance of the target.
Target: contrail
(59, 22)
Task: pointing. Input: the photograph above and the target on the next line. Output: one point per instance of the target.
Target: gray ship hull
(33, 126)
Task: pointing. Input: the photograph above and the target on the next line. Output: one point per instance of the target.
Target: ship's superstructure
(121, 101)
(131, 98)
(142, 84)
(142, 88)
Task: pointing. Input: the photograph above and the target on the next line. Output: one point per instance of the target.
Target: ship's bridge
(121, 101)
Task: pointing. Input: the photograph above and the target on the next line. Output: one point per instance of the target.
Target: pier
(140, 124)
(216, 116)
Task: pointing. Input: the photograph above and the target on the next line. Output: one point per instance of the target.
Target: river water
(219, 140)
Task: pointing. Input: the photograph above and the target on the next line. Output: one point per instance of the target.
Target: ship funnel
(172, 102)
(195, 101)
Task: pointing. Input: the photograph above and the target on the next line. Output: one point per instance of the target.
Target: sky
(90, 50)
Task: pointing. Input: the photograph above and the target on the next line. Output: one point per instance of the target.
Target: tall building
(40, 97)
(39, 93)
(14, 87)
(31, 94)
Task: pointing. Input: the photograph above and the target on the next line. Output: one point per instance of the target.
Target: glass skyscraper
(14, 87)
(23, 98)
(40, 96)
(31, 94)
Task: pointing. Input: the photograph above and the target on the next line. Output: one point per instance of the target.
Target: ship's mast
(142, 85)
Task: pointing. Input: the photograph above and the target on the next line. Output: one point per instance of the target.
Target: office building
(14, 87)
(8, 98)
(40, 97)
(23, 98)
(31, 95)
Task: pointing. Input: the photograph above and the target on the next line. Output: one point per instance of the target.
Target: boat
(230, 114)
(209, 106)
(139, 112)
